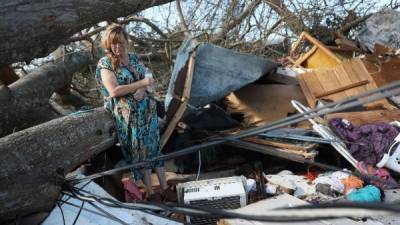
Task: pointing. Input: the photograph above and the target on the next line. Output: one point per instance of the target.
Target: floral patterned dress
(137, 121)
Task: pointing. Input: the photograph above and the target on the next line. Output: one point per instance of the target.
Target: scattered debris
(296, 185)
(217, 93)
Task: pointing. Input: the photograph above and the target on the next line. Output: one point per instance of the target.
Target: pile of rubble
(292, 110)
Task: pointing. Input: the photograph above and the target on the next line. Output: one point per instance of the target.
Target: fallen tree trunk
(33, 29)
(28, 181)
(25, 103)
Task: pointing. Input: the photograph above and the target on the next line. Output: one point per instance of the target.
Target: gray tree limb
(229, 25)
(33, 28)
(25, 103)
(35, 156)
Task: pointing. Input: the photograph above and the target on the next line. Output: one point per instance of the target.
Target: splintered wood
(349, 78)
(360, 118)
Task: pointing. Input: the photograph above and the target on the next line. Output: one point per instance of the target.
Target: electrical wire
(198, 170)
(292, 214)
(81, 187)
(379, 93)
(79, 213)
(109, 215)
(88, 210)
(62, 212)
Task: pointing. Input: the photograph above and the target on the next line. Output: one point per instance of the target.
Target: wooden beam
(340, 89)
(321, 46)
(317, 46)
(277, 152)
(305, 56)
(184, 101)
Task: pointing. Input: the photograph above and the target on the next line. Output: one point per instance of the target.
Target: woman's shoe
(169, 195)
(156, 197)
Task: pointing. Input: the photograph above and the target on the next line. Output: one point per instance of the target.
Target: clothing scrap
(369, 142)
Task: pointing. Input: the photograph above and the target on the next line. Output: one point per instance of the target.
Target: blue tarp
(217, 72)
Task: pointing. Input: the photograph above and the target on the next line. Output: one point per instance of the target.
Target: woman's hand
(147, 81)
(139, 94)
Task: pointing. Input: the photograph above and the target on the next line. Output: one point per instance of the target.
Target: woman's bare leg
(147, 181)
(161, 177)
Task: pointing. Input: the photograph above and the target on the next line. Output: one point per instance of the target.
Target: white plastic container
(149, 74)
(391, 159)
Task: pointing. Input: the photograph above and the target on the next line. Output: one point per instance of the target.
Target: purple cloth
(370, 141)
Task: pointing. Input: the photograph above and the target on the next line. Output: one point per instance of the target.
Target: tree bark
(8, 75)
(28, 181)
(34, 28)
(25, 103)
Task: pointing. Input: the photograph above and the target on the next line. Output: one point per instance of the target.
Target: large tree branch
(34, 28)
(236, 21)
(129, 19)
(347, 27)
(184, 26)
(26, 102)
(28, 179)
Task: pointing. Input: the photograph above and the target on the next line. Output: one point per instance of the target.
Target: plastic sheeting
(90, 215)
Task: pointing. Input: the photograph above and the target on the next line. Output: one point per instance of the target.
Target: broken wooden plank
(183, 102)
(364, 117)
(343, 88)
(284, 145)
(295, 156)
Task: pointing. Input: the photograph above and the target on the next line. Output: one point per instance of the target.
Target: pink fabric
(132, 192)
(382, 176)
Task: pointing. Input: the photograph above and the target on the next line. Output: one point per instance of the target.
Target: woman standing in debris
(123, 85)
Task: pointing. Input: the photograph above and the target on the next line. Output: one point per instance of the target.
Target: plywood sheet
(319, 59)
(383, 71)
(264, 103)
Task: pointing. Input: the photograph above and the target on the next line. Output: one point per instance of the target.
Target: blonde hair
(112, 35)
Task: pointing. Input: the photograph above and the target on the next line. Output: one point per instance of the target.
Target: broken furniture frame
(319, 52)
(348, 78)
